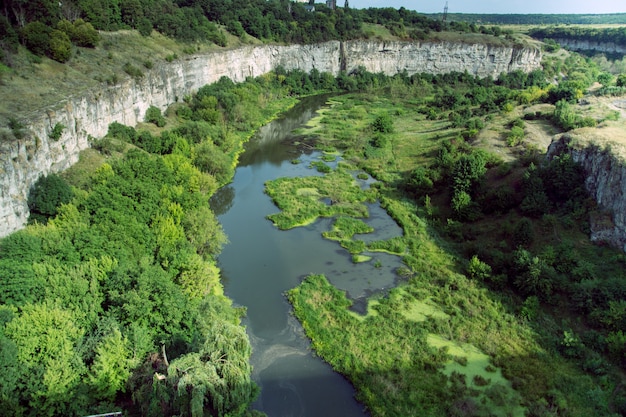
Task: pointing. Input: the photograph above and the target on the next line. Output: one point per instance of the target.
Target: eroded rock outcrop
(605, 181)
(588, 45)
(88, 116)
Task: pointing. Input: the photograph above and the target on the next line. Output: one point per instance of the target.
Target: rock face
(438, 58)
(605, 181)
(88, 116)
(584, 45)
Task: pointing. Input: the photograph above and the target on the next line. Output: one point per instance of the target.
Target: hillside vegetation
(104, 43)
(111, 299)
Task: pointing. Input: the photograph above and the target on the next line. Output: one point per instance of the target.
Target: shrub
(379, 141)
(16, 127)
(515, 137)
(36, 37)
(9, 40)
(122, 132)
(523, 235)
(144, 26)
(421, 181)
(132, 70)
(383, 124)
(57, 131)
(477, 269)
(184, 112)
(60, 46)
(84, 34)
(605, 78)
(153, 115)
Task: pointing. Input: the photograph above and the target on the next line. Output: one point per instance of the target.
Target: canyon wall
(586, 45)
(88, 116)
(606, 183)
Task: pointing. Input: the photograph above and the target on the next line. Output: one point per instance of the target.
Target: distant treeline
(535, 19)
(49, 27)
(606, 35)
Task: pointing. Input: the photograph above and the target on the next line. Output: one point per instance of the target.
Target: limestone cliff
(586, 45)
(88, 116)
(439, 58)
(605, 181)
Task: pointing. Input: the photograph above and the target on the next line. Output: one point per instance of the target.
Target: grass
(303, 200)
(88, 70)
(476, 354)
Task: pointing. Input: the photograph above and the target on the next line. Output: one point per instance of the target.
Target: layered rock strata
(88, 116)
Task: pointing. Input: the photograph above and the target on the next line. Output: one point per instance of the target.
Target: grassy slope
(34, 84)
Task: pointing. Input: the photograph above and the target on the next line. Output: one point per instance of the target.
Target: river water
(261, 262)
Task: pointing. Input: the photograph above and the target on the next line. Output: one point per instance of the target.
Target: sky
(499, 6)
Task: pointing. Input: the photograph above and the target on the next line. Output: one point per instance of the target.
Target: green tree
(211, 159)
(111, 366)
(420, 181)
(60, 46)
(48, 356)
(468, 171)
(536, 201)
(605, 78)
(523, 234)
(204, 231)
(477, 269)
(48, 193)
(36, 37)
(153, 115)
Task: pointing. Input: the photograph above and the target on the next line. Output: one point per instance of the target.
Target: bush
(122, 132)
(421, 181)
(60, 46)
(153, 115)
(46, 196)
(523, 235)
(9, 40)
(383, 124)
(16, 127)
(84, 34)
(515, 137)
(144, 26)
(132, 70)
(57, 131)
(477, 269)
(36, 37)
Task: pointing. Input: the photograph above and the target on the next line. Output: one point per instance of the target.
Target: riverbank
(450, 340)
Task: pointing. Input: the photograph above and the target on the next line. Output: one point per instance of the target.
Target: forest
(537, 19)
(118, 269)
(51, 28)
(111, 298)
(616, 36)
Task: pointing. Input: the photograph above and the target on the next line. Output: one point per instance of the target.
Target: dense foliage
(616, 36)
(116, 301)
(51, 28)
(522, 227)
(538, 19)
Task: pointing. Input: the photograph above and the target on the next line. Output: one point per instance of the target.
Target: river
(261, 262)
